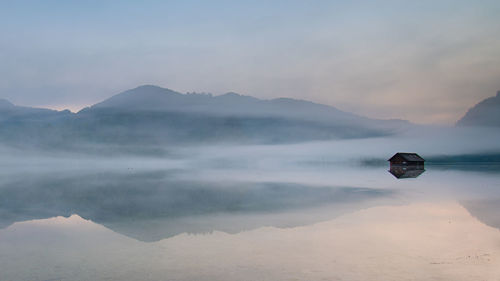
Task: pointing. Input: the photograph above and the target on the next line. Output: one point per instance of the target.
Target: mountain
(10, 111)
(157, 115)
(153, 116)
(153, 98)
(20, 125)
(485, 113)
(5, 104)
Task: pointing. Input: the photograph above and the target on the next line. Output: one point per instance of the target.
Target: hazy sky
(426, 61)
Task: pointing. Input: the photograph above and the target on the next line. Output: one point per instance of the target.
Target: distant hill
(21, 126)
(10, 111)
(485, 113)
(153, 98)
(159, 115)
(151, 115)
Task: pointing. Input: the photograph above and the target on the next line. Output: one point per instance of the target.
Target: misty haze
(249, 141)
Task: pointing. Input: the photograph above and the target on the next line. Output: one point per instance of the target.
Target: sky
(424, 61)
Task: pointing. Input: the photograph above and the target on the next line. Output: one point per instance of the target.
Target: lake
(234, 218)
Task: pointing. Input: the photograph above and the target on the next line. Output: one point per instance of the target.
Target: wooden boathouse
(407, 159)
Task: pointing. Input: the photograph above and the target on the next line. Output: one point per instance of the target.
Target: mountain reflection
(151, 206)
(485, 210)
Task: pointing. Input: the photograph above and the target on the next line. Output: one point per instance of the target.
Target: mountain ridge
(9, 111)
(149, 116)
(485, 113)
(5, 104)
(151, 97)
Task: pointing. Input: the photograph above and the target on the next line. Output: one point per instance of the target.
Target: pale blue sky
(426, 61)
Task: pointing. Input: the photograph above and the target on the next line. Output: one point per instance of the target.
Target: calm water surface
(307, 221)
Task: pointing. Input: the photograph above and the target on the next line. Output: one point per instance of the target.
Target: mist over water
(312, 210)
(256, 211)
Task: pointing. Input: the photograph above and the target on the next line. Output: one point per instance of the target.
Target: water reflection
(151, 206)
(424, 241)
(485, 210)
(275, 226)
(404, 172)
